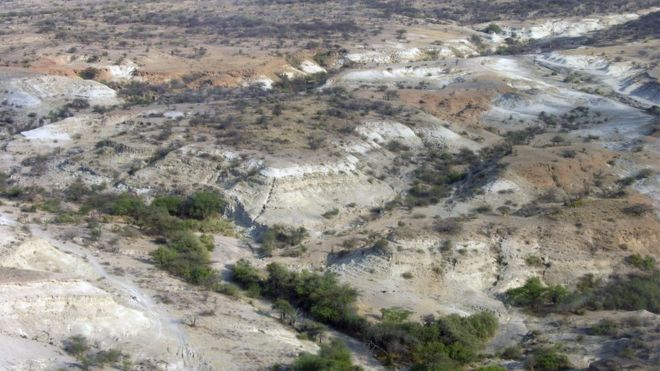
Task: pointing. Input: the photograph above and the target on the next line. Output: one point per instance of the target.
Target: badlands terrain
(329, 185)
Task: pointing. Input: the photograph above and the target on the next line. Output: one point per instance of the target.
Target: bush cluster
(79, 347)
(280, 237)
(186, 256)
(548, 359)
(333, 356)
(645, 263)
(300, 84)
(432, 180)
(465, 171)
(630, 292)
(443, 343)
(322, 296)
(175, 219)
(534, 295)
(449, 341)
(89, 73)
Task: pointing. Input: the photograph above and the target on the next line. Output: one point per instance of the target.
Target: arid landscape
(330, 185)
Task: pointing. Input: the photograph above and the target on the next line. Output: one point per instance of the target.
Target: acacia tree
(286, 310)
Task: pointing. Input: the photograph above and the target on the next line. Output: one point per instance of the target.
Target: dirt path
(168, 326)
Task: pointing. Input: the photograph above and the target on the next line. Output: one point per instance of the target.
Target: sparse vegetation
(122, 124)
(533, 261)
(638, 209)
(645, 263)
(79, 347)
(176, 219)
(280, 237)
(331, 213)
(604, 327)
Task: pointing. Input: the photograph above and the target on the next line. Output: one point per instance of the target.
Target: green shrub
(52, 205)
(202, 205)
(605, 327)
(173, 204)
(482, 209)
(548, 359)
(452, 340)
(493, 28)
(524, 136)
(187, 257)
(125, 205)
(533, 261)
(226, 289)
(77, 191)
(333, 356)
(78, 104)
(101, 358)
(321, 296)
(79, 347)
(208, 241)
(157, 221)
(89, 73)
(4, 180)
(279, 236)
(212, 225)
(286, 310)
(67, 218)
(172, 219)
(76, 345)
(446, 342)
(331, 213)
(491, 368)
(246, 276)
(467, 334)
(322, 58)
(381, 246)
(395, 315)
(632, 292)
(299, 84)
(645, 263)
(14, 192)
(534, 295)
(513, 352)
(166, 215)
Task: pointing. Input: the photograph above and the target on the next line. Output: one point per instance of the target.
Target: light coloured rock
(310, 67)
(379, 133)
(623, 77)
(299, 194)
(38, 254)
(31, 92)
(122, 72)
(571, 27)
